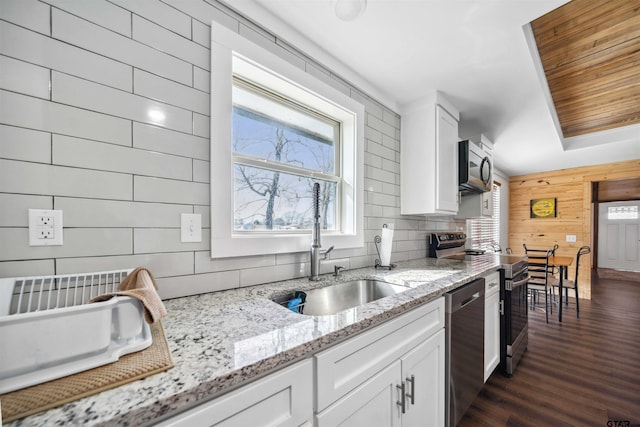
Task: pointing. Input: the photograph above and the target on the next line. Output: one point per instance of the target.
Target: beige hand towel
(140, 284)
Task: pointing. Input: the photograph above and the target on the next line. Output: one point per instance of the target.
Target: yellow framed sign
(542, 208)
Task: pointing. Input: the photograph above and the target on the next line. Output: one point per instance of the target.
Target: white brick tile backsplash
(380, 126)
(163, 40)
(173, 287)
(121, 178)
(380, 150)
(255, 276)
(49, 53)
(390, 117)
(77, 242)
(168, 141)
(204, 263)
(33, 113)
(25, 144)
(205, 211)
(19, 76)
(201, 33)
(153, 240)
(83, 153)
(159, 13)
(148, 189)
(161, 265)
(15, 208)
(99, 12)
(201, 125)
(201, 171)
(40, 179)
(79, 212)
(170, 92)
(40, 267)
(89, 36)
(201, 80)
(31, 14)
(92, 96)
(371, 106)
(205, 12)
(372, 134)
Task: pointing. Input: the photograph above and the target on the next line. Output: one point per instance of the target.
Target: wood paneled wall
(573, 189)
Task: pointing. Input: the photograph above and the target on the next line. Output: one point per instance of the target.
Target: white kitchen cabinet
(429, 157)
(373, 403)
(284, 398)
(420, 368)
(359, 382)
(491, 323)
(476, 205)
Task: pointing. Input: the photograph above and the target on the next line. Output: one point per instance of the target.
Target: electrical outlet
(571, 238)
(190, 228)
(45, 227)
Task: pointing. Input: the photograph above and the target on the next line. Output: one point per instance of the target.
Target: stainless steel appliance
(514, 330)
(514, 274)
(464, 321)
(474, 168)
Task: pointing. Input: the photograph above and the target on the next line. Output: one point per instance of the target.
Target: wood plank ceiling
(590, 52)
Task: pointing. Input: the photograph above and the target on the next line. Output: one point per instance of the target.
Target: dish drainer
(48, 328)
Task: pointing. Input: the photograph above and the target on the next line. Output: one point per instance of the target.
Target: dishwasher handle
(464, 296)
(469, 300)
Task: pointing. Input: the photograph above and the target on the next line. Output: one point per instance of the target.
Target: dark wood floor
(582, 372)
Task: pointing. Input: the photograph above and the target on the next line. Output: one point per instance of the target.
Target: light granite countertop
(223, 340)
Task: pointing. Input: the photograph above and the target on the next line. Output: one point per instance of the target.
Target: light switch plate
(45, 227)
(190, 228)
(571, 238)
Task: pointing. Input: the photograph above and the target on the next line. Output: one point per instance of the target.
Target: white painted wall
(78, 79)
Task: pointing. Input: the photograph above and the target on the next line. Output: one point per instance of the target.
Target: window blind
(484, 233)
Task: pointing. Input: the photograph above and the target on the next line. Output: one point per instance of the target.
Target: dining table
(562, 262)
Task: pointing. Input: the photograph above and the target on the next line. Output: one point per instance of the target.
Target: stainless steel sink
(342, 296)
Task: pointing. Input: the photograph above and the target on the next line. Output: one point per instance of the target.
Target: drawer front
(281, 399)
(345, 366)
(491, 283)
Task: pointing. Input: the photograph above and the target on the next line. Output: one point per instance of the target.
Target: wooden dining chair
(573, 284)
(541, 276)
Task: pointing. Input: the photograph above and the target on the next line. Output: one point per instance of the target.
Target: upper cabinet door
(429, 157)
(447, 161)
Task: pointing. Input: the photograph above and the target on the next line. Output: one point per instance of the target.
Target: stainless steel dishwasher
(464, 312)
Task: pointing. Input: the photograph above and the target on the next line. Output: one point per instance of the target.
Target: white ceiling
(474, 51)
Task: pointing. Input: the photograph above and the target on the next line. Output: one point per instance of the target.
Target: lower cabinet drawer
(280, 399)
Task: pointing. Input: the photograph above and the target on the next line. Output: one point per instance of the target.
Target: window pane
(267, 129)
(622, 212)
(485, 232)
(272, 200)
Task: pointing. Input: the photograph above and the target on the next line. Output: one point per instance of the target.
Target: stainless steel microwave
(475, 170)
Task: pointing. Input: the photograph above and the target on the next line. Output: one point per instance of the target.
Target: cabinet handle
(402, 402)
(412, 380)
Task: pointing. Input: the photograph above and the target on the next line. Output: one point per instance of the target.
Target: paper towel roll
(385, 245)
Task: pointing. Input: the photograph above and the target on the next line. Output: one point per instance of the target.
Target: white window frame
(232, 53)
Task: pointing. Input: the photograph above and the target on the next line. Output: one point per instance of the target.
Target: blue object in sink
(294, 304)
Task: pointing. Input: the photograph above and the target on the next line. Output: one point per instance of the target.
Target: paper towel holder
(378, 263)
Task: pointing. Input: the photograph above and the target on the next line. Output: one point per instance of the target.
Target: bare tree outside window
(279, 151)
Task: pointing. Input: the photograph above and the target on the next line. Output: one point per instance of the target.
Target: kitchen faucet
(315, 237)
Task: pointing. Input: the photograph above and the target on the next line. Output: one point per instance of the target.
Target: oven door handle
(516, 284)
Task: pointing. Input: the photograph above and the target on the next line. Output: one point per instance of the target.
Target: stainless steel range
(514, 274)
